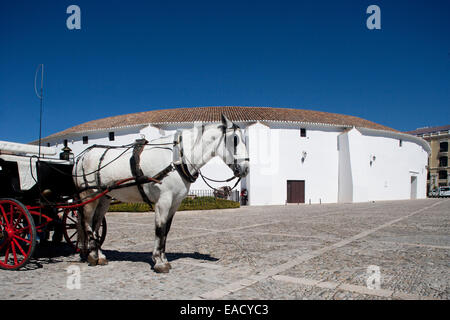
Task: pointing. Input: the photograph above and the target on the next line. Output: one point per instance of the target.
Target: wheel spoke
(20, 248)
(21, 230)
(74, 221)
(18, 219)
(72, 235)
(70, 225)
(11, 213)
(14, 252)
(4, 215)
(17, 234)
(22, 239)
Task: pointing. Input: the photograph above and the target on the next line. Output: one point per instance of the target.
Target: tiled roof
(429, 130)
(213, 114)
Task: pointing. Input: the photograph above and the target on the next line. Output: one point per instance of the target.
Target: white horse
(174, 160)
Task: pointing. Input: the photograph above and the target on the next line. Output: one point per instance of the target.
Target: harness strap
(76, 170)
(164, 172)
(184, 171)
(86, 183)
(178, 159)
(99, 180)
(136, 170)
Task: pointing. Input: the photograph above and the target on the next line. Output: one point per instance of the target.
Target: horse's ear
(227, 123)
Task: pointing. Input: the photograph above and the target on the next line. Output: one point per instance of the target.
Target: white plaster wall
(389, 175)
(275, 158)
(75, 142)
(345, 182)
(336, 168)
(359, 162)
(263, 165)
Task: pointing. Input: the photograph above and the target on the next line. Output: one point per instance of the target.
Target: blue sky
(132, 56)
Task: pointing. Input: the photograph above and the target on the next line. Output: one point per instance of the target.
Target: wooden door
(296, 191)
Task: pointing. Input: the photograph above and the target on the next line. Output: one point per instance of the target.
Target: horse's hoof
(92, 261)
(170, 266)
(102, 262)
(162, 268)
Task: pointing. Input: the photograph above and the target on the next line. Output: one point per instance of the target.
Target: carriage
(37, 197)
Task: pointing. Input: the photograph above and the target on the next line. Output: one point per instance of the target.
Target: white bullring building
(296, 156)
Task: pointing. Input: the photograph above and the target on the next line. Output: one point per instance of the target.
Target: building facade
(438, 165)
(296, 156)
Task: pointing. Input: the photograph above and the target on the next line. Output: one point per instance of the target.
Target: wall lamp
(372, 159)
(304, 154)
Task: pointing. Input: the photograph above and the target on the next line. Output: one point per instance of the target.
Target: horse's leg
(88, 241)
(83, 212)
(162, 209)
(172, 211)
(100, 212)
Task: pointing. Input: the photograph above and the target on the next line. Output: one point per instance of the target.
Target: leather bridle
(181, 163)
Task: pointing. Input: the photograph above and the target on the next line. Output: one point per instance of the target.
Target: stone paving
(271, 252)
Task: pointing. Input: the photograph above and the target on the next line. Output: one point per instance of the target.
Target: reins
(227, 180)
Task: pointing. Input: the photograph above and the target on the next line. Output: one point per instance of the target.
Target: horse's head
(233, 150)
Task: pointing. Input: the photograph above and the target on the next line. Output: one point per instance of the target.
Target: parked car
(444, 191)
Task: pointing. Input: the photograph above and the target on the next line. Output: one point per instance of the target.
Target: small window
(443, 147)
(442, 175)
(302, 132)
(111, 136)
(85, 140)
(65, 143)
(443, 162)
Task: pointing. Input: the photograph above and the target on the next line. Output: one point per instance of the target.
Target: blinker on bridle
(235, 142)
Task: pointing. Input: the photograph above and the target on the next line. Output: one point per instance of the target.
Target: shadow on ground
(114, 255)
(50, 253)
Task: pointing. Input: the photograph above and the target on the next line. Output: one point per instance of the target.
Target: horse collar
(135, 167)
(179, 160)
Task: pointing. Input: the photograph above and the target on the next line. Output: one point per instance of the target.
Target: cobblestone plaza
(267, 252)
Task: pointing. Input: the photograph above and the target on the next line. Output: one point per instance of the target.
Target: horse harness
(178, 163)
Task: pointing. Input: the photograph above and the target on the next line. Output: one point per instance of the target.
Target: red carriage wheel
(70, 229)
(17, 234)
